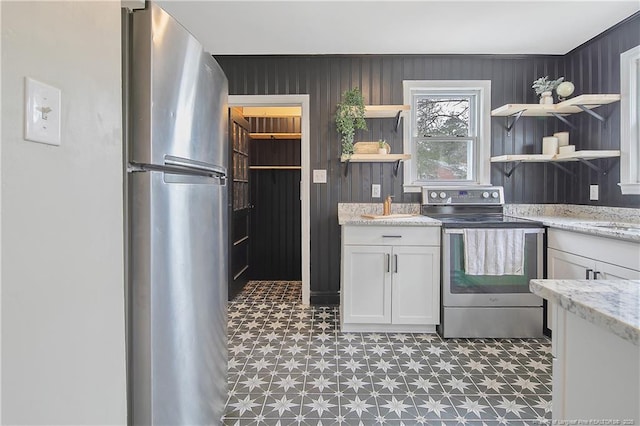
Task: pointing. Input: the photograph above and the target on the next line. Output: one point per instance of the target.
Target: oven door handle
(526, 231)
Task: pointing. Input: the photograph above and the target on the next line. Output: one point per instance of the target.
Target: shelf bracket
(513, 169)
(595, 114)
(564, 120)
(563, 168)
(508, 126)
(597, 168)
(346, 168)
(396, 166)
(398, 116)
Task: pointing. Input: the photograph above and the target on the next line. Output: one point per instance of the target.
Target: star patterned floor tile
(290, 364)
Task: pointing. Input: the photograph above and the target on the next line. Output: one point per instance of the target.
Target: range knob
(443, 195)
(434, 195)
(495, 194)
(485, 194)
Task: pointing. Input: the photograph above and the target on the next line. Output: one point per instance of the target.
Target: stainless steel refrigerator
(177, 223)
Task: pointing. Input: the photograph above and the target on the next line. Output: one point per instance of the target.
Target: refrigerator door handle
(170, 160)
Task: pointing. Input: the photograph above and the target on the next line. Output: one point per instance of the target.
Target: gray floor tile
(289, 364)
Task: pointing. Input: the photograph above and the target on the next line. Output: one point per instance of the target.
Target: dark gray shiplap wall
(595, 68)
(380, 78)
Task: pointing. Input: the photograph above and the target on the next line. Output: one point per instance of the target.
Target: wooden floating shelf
(570, 106)
(275, 135)
(374, 158)
(582, 156)
(540, 158)
(275, 167)
(384, 111)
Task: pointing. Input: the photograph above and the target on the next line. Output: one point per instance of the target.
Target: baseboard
(324, 298)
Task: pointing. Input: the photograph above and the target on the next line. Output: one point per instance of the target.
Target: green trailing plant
(350, 117)
(543, 84)
(382, 143)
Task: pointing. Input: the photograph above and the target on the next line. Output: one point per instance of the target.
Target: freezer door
(178, 285)
(178, 94)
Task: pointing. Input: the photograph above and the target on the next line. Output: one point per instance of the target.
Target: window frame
(629, 121)
(482, 160)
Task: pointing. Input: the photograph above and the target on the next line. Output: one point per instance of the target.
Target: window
(630, 121)
(447, 132)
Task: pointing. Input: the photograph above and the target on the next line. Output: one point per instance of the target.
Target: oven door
(460, 289)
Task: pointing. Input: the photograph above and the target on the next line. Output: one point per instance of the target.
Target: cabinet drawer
(610, 250)
(392, 235)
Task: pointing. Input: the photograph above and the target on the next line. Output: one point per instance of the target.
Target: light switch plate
(42, 112)
(593, 192)
(320, 176)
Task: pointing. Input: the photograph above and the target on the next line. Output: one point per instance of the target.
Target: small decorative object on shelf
(544, 88)
(564, 90)
(350, 117)
(382, 147)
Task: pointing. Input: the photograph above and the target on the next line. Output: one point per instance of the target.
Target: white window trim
(629, 126)
(484, 122)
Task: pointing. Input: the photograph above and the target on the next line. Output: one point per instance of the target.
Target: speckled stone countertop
(613, 304)
(351, 214)
(612, 222)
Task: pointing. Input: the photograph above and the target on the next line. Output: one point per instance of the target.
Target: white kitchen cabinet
(573, 255)
(390, 278)
(595, 372)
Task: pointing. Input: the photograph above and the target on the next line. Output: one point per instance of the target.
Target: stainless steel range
(479, 304)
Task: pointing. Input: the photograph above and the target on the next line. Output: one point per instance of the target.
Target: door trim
(305, 162)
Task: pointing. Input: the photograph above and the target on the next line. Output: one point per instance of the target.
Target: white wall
(63, 332)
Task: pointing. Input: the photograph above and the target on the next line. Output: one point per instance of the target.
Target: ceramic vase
(546, 98)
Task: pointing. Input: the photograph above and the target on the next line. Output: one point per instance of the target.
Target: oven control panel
(456, 195)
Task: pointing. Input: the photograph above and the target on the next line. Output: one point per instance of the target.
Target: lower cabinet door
(563, 265)
(367, 284)
(415, 285)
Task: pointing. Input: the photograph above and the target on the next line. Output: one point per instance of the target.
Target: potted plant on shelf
(350, 117)
(544, 88)
(382, 147)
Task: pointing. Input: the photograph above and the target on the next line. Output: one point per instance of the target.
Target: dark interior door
(240, 206)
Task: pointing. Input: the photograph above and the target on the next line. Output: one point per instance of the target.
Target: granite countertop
(619, 230)
(417, 220)
(351, 214)
(613, 304)
(611, 222)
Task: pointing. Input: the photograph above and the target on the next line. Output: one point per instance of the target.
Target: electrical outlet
(375, 190)
(593, 192)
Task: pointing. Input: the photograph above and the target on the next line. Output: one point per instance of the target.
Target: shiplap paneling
(380, 78)
(275, 249)
(595, 68)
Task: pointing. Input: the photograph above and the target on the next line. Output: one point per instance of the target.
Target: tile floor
(289, 364)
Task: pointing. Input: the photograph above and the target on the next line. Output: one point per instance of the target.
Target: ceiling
(397, 27)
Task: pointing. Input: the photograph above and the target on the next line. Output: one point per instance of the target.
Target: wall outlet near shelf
(593, 192)
(375, 190)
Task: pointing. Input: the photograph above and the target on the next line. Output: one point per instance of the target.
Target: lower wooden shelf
(582, 156)
(374, 158)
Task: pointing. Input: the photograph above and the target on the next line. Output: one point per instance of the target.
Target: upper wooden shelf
(275, 135)
(384, 111)
(570, 106)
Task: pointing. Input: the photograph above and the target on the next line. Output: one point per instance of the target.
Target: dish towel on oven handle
(498, 251)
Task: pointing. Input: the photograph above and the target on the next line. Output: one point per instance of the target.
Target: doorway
(302, 224)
